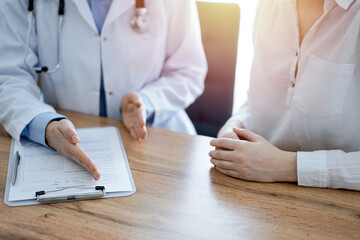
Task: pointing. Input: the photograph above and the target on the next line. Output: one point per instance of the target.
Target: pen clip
(97, 192)
(15, 167)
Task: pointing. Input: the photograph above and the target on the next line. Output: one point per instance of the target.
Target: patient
(301, 122)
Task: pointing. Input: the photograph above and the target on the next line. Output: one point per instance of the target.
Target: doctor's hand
(61, 135)
(134, 115)
(253, 158)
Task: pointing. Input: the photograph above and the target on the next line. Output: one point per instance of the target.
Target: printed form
(43, 169)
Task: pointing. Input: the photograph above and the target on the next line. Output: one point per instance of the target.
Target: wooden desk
(180, 196)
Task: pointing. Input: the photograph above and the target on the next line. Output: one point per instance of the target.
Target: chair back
(220, 29)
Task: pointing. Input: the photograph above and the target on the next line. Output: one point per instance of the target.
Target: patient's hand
(227, 130)
(253, 158)
(230, 135)
(61, 135)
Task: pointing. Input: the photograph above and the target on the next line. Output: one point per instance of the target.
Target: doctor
(108, 58)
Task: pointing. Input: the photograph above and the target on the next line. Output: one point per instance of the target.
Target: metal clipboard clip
(95, 192)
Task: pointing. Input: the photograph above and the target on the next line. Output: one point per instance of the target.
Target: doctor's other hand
(61, 135)
(133, 112)
(253, 158)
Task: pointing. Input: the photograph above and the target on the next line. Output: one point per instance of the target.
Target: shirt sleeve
(329, 169)
(243, 115)
(35, 130)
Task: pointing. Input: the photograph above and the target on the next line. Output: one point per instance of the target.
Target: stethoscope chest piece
(141, 21)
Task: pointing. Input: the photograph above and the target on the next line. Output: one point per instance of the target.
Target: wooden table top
(180, 196)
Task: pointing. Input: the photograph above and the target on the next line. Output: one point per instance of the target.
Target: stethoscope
(139, 23)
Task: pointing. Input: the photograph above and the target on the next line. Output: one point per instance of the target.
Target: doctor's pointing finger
(61, 135)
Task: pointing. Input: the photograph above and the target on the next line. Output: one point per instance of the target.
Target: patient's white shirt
(317, 112)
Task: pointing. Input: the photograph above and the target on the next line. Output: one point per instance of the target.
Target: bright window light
(245, 49)
(245, 52)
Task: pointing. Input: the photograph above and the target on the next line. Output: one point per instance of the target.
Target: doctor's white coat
(167, 63)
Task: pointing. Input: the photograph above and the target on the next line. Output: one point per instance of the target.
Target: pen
(15, 167)
(41, 196)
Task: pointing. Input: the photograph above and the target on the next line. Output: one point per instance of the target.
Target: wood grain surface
(180, 196)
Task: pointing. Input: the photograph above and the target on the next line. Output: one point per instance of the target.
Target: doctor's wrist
(50, 129)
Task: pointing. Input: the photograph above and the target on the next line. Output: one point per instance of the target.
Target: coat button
(104, 39)
(292, 84)
(111, 93)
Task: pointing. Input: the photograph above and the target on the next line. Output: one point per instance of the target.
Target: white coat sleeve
(329, 169)
(19, 92)
(185, 66)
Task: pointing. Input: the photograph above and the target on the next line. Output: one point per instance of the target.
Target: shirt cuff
(312, 169)
(150, 109)
(35, 130)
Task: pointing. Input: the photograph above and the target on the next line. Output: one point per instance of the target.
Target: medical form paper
(44, 169)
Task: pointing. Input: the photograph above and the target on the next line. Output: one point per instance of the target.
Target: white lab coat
(167, 63)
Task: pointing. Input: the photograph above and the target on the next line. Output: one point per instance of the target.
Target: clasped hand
(243, 154)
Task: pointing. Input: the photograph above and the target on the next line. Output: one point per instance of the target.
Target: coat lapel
(85, 12)
(117, 8)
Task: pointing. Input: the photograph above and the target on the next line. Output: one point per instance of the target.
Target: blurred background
(226, 27)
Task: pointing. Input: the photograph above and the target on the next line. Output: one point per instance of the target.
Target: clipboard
(68, 193)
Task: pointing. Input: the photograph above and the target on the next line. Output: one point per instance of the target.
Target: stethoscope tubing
(61, 12)
(28, 39)
(140, 12)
